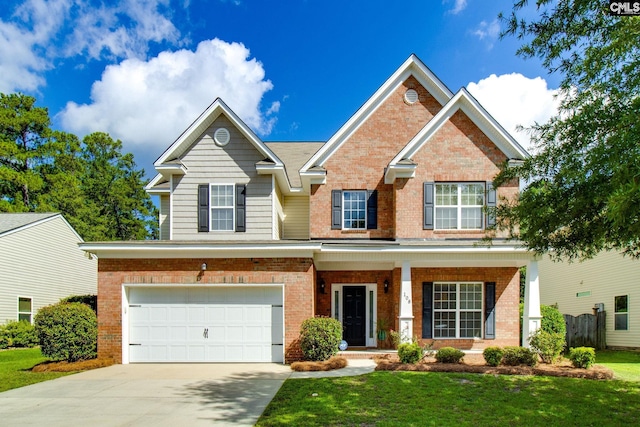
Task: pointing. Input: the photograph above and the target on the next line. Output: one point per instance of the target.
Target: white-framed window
(459, 206)
(457, 310)
(354, 210)
(621, 313)
(222, 207)
(25, 309)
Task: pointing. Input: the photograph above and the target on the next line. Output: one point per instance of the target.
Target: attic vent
(221, 136)
(410, 96)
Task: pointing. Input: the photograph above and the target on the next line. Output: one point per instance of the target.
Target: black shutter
(372, 209)
(427, 309)
(203, 207)
(336, 209)
(428, 206)
(241, 207)
(490, 310)
(491, 205)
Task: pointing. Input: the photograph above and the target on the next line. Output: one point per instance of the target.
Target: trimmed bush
(18, 334)
(410, 352)
(552, 320)
(449, 355)
(90, 300)
(582, 357)
(320, 338)
(67, 331)
(548, 345)
(492, 355)
(514, 356)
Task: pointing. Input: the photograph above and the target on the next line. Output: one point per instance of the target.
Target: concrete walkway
(157, 395)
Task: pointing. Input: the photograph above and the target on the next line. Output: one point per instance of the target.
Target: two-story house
(382, 221)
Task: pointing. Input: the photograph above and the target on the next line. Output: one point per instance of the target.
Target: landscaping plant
(410, 352)
(514, 356)
(449, 355)
(18, 334)
(493, 355)
(582, 357)
(320, 338)
(548, 345)
(67, 331)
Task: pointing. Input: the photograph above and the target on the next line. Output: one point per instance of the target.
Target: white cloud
(458, 7)
(147, 104)
(513, 99)
(39, 32)
(488, 31)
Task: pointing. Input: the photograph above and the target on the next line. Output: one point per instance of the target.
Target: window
(222, 207)
(621, 314)
(24, 309)
(457, 310)
(354, 208)
(459, 206)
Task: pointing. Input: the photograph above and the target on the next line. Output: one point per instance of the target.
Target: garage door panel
(241, 324)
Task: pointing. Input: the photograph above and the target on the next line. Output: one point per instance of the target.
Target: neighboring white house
(609, 279)
(40, 263)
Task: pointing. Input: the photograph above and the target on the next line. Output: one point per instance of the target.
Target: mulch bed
(81, 365)
(336, 362)
(474, 363)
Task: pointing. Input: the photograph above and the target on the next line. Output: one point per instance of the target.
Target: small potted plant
(382, 325)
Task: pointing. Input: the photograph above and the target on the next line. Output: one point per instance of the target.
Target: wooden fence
(586, 330)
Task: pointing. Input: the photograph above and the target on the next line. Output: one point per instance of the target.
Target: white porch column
(531, 316)
(406, 310)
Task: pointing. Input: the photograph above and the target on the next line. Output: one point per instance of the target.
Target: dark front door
(354, 322)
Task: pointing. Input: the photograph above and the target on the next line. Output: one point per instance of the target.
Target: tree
(583, 179)
(24, 144)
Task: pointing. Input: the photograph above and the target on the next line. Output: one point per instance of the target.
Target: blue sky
(293, 70)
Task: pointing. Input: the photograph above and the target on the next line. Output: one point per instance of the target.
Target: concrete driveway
(148, 394)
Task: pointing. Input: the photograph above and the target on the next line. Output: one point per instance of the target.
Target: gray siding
(234, 163)
(278, 212)
(296, 224)
(577, 287)
(164, 217)
(44, 263)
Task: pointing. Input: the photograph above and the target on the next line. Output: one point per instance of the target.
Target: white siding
(577, 287)
(234, 163)
(43, 262)
(164, 217)
(296, 223)
(278, 212)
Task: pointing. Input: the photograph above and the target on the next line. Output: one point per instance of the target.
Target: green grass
(443, 399)
(15, 368)
(624, 364)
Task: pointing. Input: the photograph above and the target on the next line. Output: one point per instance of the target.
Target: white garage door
(238, 324)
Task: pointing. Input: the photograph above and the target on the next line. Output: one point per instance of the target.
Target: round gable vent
(221, 136)
(411, 96)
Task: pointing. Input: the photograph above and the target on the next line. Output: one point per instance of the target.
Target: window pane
(446, 194)
(355, 209)
(471, 218)
(446, 218)
(24, 305)
(222, 219)
(444, 324)
(470, 324)
(25, 317)
(621, 322)
(472, 194)
(621, 304)
(222, 195)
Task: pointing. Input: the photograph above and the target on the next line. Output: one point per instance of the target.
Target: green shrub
(410, 352)
(514, 356)
(552, 320)
(449, 355)
(67, 331)
(320, 338)
(493, 355)
(548, 345)
(582, 357)
(18, 334)
(90, 300)
(4, 341)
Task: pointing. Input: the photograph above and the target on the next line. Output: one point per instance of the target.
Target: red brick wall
(297, 274)
(359, 164)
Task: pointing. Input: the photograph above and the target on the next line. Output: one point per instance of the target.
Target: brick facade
(297, 275)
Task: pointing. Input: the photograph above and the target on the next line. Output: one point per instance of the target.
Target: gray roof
(294, 155)
(11, 221)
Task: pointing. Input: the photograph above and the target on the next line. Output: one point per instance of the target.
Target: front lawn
(15, 368)
(424, 399)
(624, 364)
